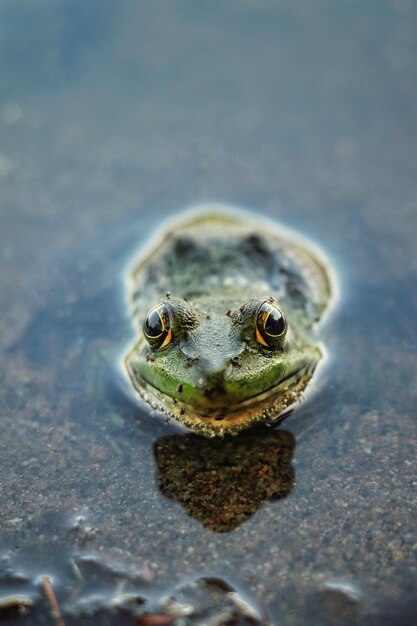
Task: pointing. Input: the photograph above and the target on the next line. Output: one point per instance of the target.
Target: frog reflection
(222, 483)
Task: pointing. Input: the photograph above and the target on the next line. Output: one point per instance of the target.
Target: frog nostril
(190, 360)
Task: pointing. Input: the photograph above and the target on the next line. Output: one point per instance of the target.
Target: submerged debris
(101, 589)
(51, 597)
(15, 602)
(205, 601)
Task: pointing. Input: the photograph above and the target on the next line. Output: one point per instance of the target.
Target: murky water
(113, 116)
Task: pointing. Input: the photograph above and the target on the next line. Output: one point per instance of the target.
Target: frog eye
(157, 327)
(271, 326)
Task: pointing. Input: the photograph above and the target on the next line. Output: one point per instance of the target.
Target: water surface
(113, 117)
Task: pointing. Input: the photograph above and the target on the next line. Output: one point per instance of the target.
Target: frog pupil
(275, 323)
(153, 325)
(271, 326)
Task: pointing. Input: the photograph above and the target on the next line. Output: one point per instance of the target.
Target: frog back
(231, 255)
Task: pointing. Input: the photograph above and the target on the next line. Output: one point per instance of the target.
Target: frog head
(218, 367)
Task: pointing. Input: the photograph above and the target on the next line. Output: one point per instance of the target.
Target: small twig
(51, 597)
(76, 570)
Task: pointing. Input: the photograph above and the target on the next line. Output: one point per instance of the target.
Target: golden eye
(157, 327)
(271, 326)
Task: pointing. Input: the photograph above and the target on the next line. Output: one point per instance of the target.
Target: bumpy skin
(216, 269)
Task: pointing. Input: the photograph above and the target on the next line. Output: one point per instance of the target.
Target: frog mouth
(218, 395)
(270, 406)
(284, 385)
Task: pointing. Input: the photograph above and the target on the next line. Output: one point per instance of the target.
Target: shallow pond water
(114, 117)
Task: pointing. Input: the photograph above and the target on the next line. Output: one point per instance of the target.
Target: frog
(226, 306)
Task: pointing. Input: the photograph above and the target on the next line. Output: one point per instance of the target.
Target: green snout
(220, 381)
